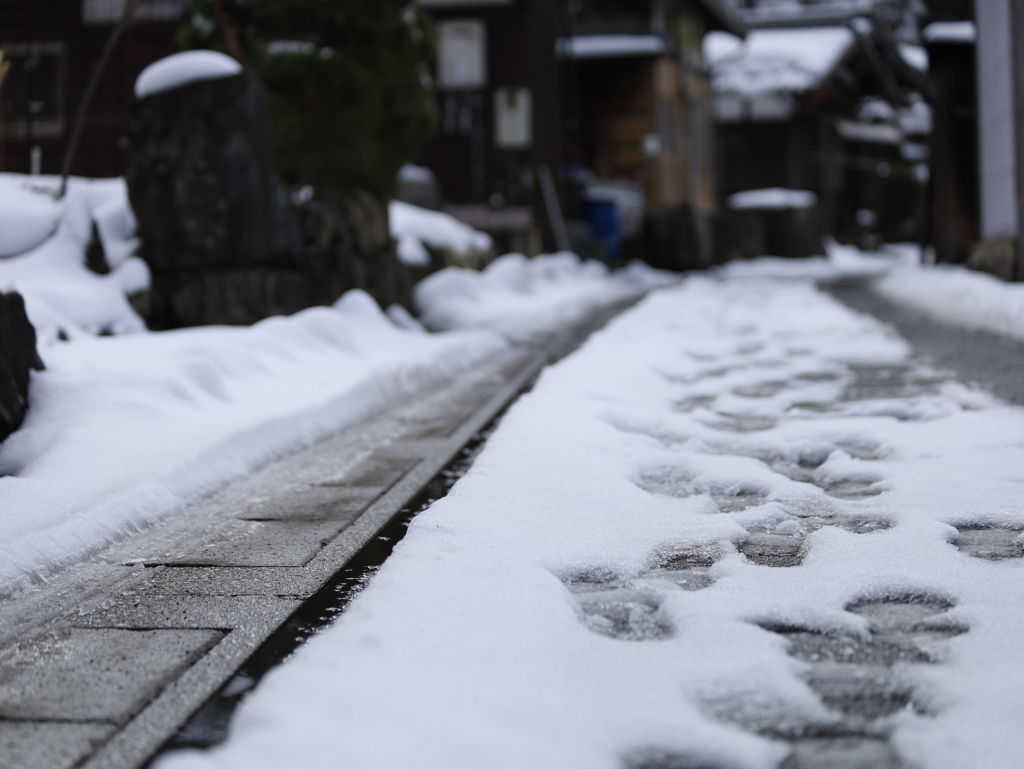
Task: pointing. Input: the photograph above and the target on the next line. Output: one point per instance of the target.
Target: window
(32, 93)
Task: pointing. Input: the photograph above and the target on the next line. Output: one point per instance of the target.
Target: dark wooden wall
(60, 21)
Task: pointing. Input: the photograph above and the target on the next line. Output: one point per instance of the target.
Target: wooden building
(826, 109)
(954, 225)
(544, 105)
(53, 46)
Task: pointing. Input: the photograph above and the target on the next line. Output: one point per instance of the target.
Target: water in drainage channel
(208, 726)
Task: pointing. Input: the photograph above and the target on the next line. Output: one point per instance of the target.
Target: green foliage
(350, 93)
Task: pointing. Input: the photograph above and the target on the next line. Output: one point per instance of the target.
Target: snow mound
(28, 214)
(126, 430)
(414, 227)
(65, 299)
(957, 296)
(526, 299)
(179, 69)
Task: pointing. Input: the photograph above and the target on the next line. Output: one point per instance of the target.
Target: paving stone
(263, 543)
(773, 549)
(232, 580)
(381, 469)
(321, 502)
(990, 544)
(447, 418)
(188, 611)
(842, 753)
(819, 647)
(859, 690)
(623, 613)
(79, 674)
(696, 578)
(666, 759)
(48, 745)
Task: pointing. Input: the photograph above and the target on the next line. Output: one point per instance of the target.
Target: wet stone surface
(665, 759)
(766, 549)
(734, 503)
(993, 544)
(49, 744)
(128, 668)
(863, 692)
(624, 613)
(862, 677)
(852, 752)
(742, 423)
(883, 382)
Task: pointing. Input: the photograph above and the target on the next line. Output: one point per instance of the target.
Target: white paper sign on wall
(462, 54)
(513, 118)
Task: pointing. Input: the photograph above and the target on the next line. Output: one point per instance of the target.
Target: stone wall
(224, 244)
(18, 356)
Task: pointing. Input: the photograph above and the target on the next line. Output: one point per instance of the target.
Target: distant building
(834, 110)
(954, 226)
(52, 46)
(586, 122)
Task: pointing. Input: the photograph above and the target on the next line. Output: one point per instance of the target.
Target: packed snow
(183, 68)
(415, 228)
(534, 616)
(771, 60)
(772, 198)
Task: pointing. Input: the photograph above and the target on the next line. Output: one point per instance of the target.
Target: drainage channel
(209, 725)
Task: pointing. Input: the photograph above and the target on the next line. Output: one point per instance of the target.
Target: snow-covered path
(740, 527)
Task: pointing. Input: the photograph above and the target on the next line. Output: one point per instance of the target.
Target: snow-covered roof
(179, 69)
(610, 46)
(775, 59)
(949, 32)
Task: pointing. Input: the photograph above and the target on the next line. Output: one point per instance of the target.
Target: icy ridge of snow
(958, 296)
(471, 635)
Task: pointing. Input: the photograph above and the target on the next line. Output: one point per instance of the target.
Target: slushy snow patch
(525, 619)
(183, 68)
